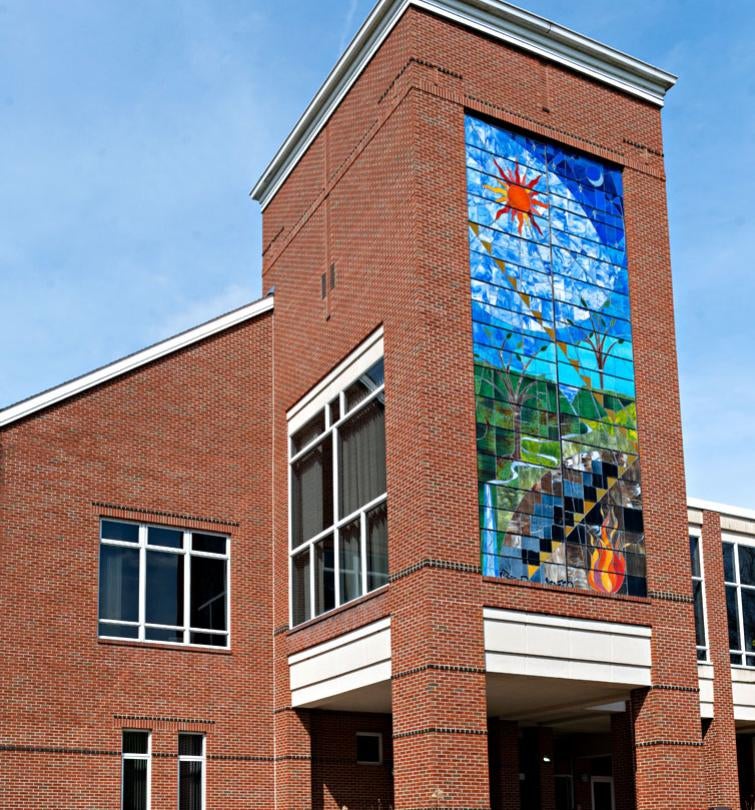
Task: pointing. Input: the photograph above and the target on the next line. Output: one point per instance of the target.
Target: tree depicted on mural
(600, 339)
(514, 385)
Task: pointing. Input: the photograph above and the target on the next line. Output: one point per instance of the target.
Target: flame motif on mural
(607, 566)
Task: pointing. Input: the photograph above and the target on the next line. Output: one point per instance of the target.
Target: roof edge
(52, 396)
(494, 18)
(722, 508)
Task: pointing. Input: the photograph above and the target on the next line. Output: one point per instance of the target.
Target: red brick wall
(187, 435)
(337, 780)
(622, 761)
(503, 742)
(381, 194)
(720, 743)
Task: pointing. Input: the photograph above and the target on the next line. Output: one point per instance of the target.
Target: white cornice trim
(721, 508)
(494, 18)
(69, 389)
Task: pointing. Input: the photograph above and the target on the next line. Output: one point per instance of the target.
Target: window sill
(152, 645)
(338, 610)
(542, 586)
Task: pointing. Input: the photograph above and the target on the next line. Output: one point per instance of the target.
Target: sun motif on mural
(519, 198)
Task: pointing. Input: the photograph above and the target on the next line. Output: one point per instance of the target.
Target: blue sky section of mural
(558, 458)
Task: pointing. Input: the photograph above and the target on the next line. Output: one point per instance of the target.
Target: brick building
(410, 531)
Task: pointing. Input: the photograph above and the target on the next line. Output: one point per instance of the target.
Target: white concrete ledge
(705, 682)
(350, 661)
(534, 644)
(743, 693)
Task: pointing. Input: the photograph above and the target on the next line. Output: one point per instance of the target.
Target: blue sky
(131, 133)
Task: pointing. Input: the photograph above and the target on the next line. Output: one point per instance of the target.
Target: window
(135, 770)
(163, 584)
(739, 576)
(698, 594)
(338, 493)
(369, 748)
(191, 777)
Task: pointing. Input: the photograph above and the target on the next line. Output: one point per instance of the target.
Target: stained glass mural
(557, 449)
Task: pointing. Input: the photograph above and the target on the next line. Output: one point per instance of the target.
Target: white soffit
(705, 682)
(493, 18)
(541, 645)
(354, 660)
(69, 389)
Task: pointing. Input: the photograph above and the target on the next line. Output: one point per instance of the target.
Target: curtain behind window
(134, 784)
(312, 492)
(190, 786)
(119, 583)
(362, 458)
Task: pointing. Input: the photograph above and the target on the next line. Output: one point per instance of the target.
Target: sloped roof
(53, 396)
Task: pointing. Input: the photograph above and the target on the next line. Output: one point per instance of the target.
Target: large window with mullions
(739, 576)
(338, 508)
(163, 584)
(559, 493)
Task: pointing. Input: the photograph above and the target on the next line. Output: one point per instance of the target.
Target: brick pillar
(504, 765)
(668, 748)
(440, 727)
(719, 740)
(546, 770)
(293, 759)
(668, 743)
(622, 761)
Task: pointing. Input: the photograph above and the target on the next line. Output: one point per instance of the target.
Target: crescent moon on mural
(595, 176)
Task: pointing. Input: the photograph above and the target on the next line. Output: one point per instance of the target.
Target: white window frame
(191, 758)
(331, 388)
(696, 531)
(739, 540)
(144, 757)
(604, 780)
(187, 551)
(379, 736)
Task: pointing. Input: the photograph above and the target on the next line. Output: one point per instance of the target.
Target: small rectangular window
(191, 771)
(746, 565)
(301, 591)
(369, 748)
(160, 536)
(116, 530)
(325, 588)
(729, 574)
(732, 613)
(361, 458)
(135, 770)
(312, 480)
(698, 595)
